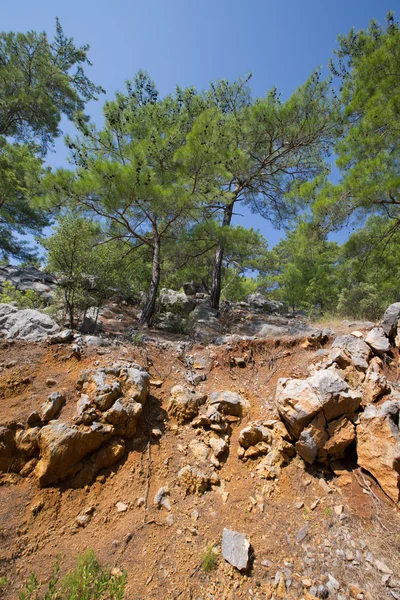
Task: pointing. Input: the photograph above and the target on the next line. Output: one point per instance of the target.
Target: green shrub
(88, 581)
(209, 559)
(28, 299)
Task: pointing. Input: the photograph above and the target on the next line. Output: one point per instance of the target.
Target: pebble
(121, 507)
(302, 533)
(383, 568)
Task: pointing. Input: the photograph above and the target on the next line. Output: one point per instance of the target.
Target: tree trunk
(218, 258)
(150, 304)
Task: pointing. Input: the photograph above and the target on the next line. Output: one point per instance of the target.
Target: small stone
(51, 382)
(334, 583)
(322, 592)
(141, 502)
(156, 382)
(121, 507)
(338, 509)
(355, 591)
(83, 520)
(194, 515)
(160, 499)
(322, 483)
(314, 505)
(299, 505)
(302, 532)
(383, 568)
(235, 549)
(170, 520)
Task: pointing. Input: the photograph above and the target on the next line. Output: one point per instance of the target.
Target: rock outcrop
(378, 445)
(26, 324)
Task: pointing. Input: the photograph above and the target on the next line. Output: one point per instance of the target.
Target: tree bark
(218, 258)
(150, 304)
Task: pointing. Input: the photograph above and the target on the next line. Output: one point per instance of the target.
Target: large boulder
(27, 324)
(254, 434)
(390, 318)
(378, 340)
(359, 352)
(50, 409)
(29, 278)
(228, 403)
(184, 403)
(124, 415)
(259, 302)
(175, 301)
(62, 449)
(299, 401)
(378, 445)
(204, 324)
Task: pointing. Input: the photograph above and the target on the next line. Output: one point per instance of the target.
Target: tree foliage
(40, 81)
(368, 152)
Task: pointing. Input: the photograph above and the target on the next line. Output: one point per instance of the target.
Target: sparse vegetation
(88, 581)
(209, 560)
(28, 299)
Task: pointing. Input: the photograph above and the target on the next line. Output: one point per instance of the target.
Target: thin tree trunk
(218, 258)
(150, 304)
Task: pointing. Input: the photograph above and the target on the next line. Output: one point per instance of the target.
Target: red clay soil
(163, 561)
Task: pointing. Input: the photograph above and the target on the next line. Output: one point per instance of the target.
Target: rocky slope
(281, 455)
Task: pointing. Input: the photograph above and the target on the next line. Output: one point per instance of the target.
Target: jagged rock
(160, 499)
(358, 350)
(270, 466)
(193, 287)
(253, 434)
(257, 450)
(194, 481)
(27, 442)
(50, 409)
(96, 341)
(390, 319)
(341, 433)
(337, 356)
(312, 439)
(203, 323)
(107, 396)
(235, 549)
(218, 446)
(378, 446)
(184, 403)
(375, 383)
(299, 401)
(108, 455)
(378, 340)
(62, 449)
(124, 415)
(62, 337)
(34, 419)
(178, 301)
(27, 324)
(29, 278)
(228, 403)
(135, 383)
(86, 414)
(259, 302)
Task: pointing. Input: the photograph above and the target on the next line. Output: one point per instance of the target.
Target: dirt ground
(351, 523)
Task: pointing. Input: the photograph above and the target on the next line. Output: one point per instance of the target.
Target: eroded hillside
(172, 467)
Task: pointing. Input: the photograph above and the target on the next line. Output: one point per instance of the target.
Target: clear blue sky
(193, 42)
